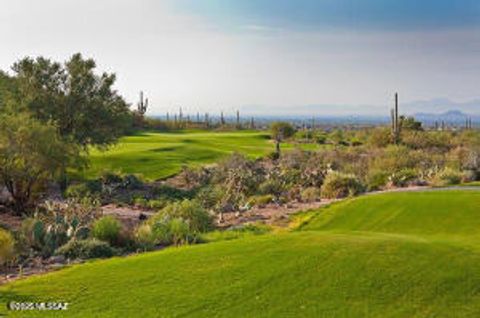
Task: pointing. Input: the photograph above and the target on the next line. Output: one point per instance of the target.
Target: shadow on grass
(164, 149)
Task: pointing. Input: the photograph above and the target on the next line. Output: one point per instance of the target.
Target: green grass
(445, 214)
(390, 255)
(160, 155)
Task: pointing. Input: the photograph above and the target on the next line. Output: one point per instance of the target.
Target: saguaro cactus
(222, 119)
(394, 122)
(142, 105)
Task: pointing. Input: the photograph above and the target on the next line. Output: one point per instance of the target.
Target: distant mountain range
(442, 106)
(451, 117)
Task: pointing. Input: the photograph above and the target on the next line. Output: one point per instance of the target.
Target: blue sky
(326, 57)
(344, 14)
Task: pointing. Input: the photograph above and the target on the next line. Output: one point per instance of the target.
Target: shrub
(82, 190)
(340, 185)
(273, 186)
(320, 139)
(85, 249)
(273, 155)
(209, 197)
(376, 180)
(173, 231)
(260, 200)
(150, 204)
(449, 177)
(180, 222)
(403, 177)
(7, 244)
(189, 210)
(310, 194)
(144, 237)
(107, 229)
(132, 182)
(469, 176)
(111, 178)
(166, 192)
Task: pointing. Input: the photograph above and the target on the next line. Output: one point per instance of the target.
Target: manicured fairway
(159, 155)
(391, 255)
(446, 214)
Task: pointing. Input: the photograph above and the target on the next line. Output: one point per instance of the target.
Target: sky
(262, 57)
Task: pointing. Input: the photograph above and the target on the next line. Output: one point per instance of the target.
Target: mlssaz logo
(13, 305)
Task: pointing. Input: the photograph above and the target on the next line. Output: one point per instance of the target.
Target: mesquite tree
(281, 131)
(81, 104)
(31, 154)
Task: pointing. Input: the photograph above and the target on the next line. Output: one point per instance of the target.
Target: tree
(409, 123)
(81, 104)
(6, 89)
(281, 131)
(31, 154)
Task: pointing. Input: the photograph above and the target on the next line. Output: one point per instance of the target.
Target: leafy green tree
(281, 131)
(31, 154)
(82, 105)
(6, 89)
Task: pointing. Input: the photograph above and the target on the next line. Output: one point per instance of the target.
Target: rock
(56, 266)
(57, 259)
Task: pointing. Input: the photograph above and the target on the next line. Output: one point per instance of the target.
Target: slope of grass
(159, 155)
(446, 214)
(374, 256)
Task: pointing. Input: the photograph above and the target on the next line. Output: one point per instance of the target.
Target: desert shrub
(376, 180)
(109, 177)
(310, 194)
(155, 204)
(189, 210)
(340, 185)
(403, 177)
(86, 189)
(7, 246)
(426, 140)
(320, 138)
(85, 249)
(107, 229)
(239, 177)
(180, 223)
(273, 155)
(469, 176)
(174, 231)
(195, 177)
(209, 197)
(132, 182)
(448, 177)
(395, 158)
(260, 200)
(274, 185)
(144, 237)
(166, 192)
